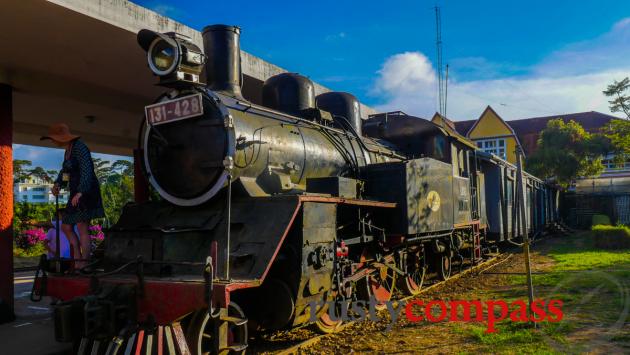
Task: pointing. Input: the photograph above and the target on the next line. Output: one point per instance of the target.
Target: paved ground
(32, 332)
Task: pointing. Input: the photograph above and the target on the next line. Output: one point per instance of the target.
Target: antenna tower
(442, 84)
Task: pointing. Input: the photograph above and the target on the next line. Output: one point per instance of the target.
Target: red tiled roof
(591, 121)
(528, 129)
(463, 127)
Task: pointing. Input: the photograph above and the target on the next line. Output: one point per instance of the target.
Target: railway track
(480, 268)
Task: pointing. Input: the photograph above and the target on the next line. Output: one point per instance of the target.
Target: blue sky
(499, 52)
(51, 158)
(524, 58)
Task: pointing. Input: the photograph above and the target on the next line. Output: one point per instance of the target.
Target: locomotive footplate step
(226, 325)
(234, 320)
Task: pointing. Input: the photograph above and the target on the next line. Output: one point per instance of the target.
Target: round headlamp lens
(163, 57)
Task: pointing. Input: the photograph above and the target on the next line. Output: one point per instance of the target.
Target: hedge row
(611, 237)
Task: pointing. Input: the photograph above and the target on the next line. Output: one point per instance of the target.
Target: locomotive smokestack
(223, 64)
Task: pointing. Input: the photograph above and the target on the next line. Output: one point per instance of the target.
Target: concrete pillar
(140, 183)
(6, 203)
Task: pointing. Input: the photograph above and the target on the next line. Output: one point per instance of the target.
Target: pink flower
(96, 232)
(33, 236)
(99, 236)
(96, 228)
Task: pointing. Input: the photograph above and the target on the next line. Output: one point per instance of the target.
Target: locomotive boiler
(268, 214)
(266, 149)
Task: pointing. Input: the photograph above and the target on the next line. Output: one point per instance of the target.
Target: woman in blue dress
(77, 175)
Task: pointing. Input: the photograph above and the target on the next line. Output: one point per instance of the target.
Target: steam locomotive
(268, 212)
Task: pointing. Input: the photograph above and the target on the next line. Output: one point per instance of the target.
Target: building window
(495, 146)
(39, 189)
(611, 165)
(39, 197)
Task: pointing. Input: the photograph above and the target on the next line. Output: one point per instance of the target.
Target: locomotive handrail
(154, 262)
(349, 201)
(428, 236)
(164, 230)
(183, 230)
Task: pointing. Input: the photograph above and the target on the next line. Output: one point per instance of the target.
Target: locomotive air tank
(262, 150)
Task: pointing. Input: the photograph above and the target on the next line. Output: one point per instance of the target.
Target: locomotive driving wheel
(326, 325)
(201, 333)
(442, 264)
(379, 283)
(415, 269)
(343, 289)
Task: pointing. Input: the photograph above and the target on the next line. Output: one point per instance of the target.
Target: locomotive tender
(267, 210)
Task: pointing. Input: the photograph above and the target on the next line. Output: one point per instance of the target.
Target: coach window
(463, 166)
(439, 147)
(455, 159)
(510, 191)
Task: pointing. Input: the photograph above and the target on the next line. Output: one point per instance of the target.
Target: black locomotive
(267, 210)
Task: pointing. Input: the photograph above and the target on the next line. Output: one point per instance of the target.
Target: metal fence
(578, 209)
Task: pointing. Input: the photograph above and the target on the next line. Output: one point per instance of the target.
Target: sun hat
(59, 132)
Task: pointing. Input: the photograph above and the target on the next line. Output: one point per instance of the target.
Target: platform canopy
(77, 61)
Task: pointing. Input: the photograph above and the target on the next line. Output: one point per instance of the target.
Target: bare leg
(84, 237)
(73, 239)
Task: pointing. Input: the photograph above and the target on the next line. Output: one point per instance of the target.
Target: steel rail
(308, 342)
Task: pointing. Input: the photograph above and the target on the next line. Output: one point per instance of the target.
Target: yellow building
(489, 132)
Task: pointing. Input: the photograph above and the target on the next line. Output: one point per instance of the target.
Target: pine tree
(620, 101)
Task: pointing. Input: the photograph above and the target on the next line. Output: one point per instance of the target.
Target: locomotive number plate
(174, 110)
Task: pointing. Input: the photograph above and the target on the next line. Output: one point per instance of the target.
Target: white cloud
(335, 37)
(407, 80)
(164, 9)
(515, 98)
(610, 50)
(406, 72)
(569, 80)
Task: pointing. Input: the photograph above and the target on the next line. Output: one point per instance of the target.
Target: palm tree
(102, 169)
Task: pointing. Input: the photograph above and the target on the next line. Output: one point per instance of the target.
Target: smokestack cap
(212, 28)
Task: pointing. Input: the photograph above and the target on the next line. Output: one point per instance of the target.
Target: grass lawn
(593, 284)
(594, 287)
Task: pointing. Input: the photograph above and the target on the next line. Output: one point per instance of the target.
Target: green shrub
(611, 237)
(31, 251)
(600, 219)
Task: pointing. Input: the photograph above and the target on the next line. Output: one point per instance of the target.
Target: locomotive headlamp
(172, 57)
(162, 57)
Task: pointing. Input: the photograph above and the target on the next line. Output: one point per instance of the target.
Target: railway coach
(541, 200)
